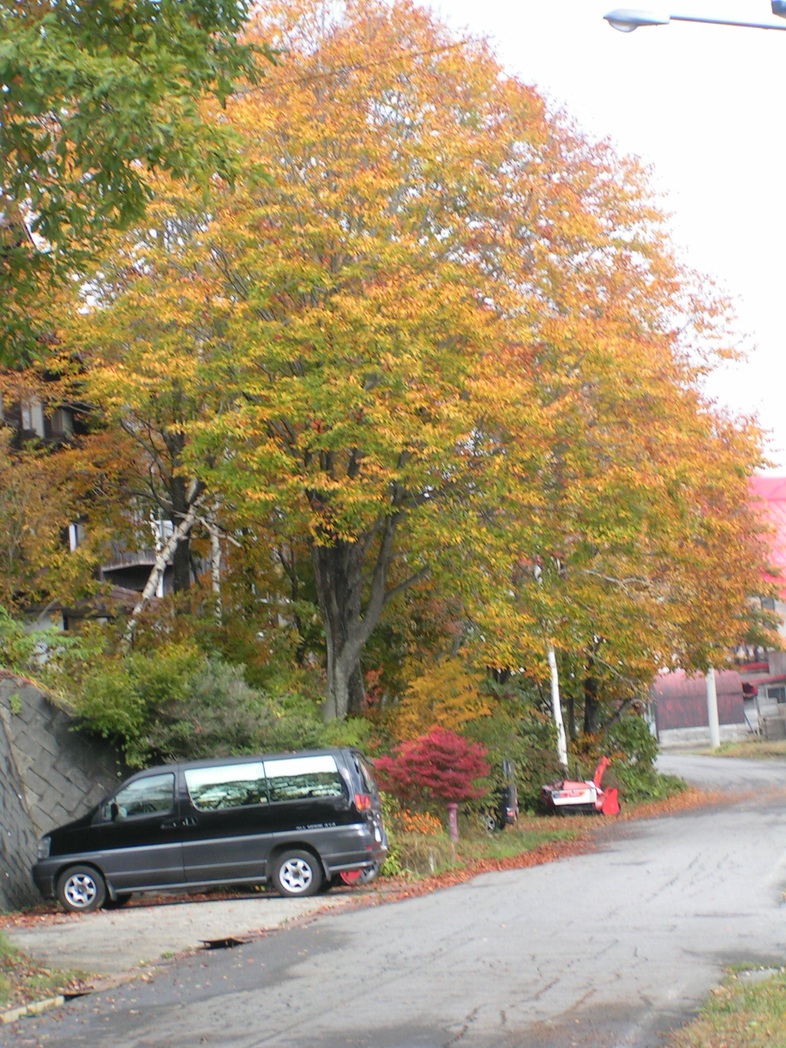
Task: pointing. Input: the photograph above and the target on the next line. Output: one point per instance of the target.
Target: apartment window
(76, 536)
(62, 422)
(33, 416)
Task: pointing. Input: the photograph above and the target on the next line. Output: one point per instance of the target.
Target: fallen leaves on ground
(22, 981)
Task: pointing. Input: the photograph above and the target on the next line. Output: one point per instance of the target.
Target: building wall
(681, 701)
(50, 773)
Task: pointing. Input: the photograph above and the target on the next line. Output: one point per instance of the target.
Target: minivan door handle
(172, 824)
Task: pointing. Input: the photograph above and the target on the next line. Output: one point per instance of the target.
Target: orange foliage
(406, 821)
(444, 694)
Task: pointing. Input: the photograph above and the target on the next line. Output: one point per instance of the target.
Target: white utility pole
(556, 705)
(712, 709)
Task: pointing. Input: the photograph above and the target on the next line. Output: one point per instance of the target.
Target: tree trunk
(181, 555)
(570, 709)
(556, 707)
(591, 706)
(351, 588)
(159, 567)
(215, 566)
(339, 578)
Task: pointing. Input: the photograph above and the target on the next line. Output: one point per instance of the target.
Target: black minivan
(297, 820)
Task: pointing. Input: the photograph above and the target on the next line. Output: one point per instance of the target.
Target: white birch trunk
(215, 569)
(712, 709)
(159, 567)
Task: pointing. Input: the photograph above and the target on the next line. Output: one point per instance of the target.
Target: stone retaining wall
(50, 773)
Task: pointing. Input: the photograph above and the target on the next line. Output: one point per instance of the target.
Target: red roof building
(754, 695)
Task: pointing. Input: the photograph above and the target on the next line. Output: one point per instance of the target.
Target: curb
(31, 1009)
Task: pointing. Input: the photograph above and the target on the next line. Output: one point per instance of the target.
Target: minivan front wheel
(297, 873)
(81, 889)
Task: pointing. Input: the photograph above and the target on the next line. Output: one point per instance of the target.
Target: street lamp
(627, 19)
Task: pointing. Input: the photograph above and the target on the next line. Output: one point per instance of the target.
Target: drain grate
(222, 944)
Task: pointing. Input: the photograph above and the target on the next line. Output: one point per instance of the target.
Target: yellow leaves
(445, 695)
(39, 493)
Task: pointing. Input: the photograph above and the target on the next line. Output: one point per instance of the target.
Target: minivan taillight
(363, 801)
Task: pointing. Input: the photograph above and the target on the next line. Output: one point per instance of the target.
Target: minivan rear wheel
(297, 873)
(81, 889)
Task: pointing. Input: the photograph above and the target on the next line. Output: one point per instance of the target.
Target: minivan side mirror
(114, 811)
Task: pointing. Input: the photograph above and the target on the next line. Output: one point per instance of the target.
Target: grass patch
(757, 748)
(22, 981)
(747, 1011)
(428, 854)
(526, 836)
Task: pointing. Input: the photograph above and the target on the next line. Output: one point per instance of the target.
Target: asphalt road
(604, 950)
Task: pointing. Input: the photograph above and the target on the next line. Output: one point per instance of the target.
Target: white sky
(703, 105)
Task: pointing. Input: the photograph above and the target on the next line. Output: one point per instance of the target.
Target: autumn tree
(42, 492)
(144, 368)
(445, 694)
(94, 94)
(446, 338)
(624, 565)
(367, 300)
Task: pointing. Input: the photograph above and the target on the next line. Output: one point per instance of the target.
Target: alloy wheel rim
(80, 890)
(296, 875)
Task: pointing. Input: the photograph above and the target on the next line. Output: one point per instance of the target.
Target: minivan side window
(147, 796)
(297, 778)
(230, 786)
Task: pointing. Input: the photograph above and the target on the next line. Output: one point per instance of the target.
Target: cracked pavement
(610, 949)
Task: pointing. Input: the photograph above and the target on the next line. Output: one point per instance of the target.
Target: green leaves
(92, 96)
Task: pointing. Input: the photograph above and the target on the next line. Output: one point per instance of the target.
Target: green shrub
(634, 749)
(525, 736)
(17, 647)
(119, 697)
(630, 735)
(45, 654)
(392, 866)
(221, 714)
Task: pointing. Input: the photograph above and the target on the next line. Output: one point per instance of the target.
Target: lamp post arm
(724, 21)
(627, 19)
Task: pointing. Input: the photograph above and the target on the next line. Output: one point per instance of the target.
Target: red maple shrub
(438, 766)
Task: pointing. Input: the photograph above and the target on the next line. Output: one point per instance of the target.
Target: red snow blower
(570, 797)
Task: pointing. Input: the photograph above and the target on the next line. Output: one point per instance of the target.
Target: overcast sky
(703, 105)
